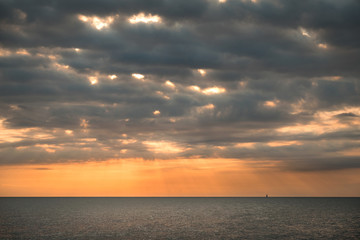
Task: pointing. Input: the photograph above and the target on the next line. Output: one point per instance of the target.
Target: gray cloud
(288, 70)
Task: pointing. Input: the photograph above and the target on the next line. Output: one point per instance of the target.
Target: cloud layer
(256, 80)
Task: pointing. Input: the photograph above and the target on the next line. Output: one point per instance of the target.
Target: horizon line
(179, 197)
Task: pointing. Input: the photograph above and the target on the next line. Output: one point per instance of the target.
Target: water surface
(179, 218)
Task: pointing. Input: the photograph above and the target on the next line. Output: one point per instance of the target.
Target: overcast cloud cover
(280, 81)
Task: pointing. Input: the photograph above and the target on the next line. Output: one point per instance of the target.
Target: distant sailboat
(267, 196)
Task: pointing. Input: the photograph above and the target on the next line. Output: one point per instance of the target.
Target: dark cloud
(346, 115)
(281, 82)
(43, 169)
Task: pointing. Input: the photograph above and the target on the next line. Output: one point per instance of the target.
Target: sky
(180, 98)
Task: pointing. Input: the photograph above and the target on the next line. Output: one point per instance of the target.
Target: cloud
(210, 79)
(43, 169)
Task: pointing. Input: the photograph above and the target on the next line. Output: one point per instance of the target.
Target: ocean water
(179, 218)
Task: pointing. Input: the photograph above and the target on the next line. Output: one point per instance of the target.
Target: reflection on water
(179, 218)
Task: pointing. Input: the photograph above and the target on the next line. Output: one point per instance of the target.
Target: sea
(179, 218)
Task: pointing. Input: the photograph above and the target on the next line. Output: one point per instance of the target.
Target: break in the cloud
(255, 80)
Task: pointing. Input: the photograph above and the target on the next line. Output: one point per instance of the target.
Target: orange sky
(192, 177)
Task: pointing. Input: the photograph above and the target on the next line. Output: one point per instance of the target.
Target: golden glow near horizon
(177, 177)
(137, 76)
(180, 177)
(142, 18)
(97, 22)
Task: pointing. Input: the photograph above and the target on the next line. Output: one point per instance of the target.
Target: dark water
(179, 218)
